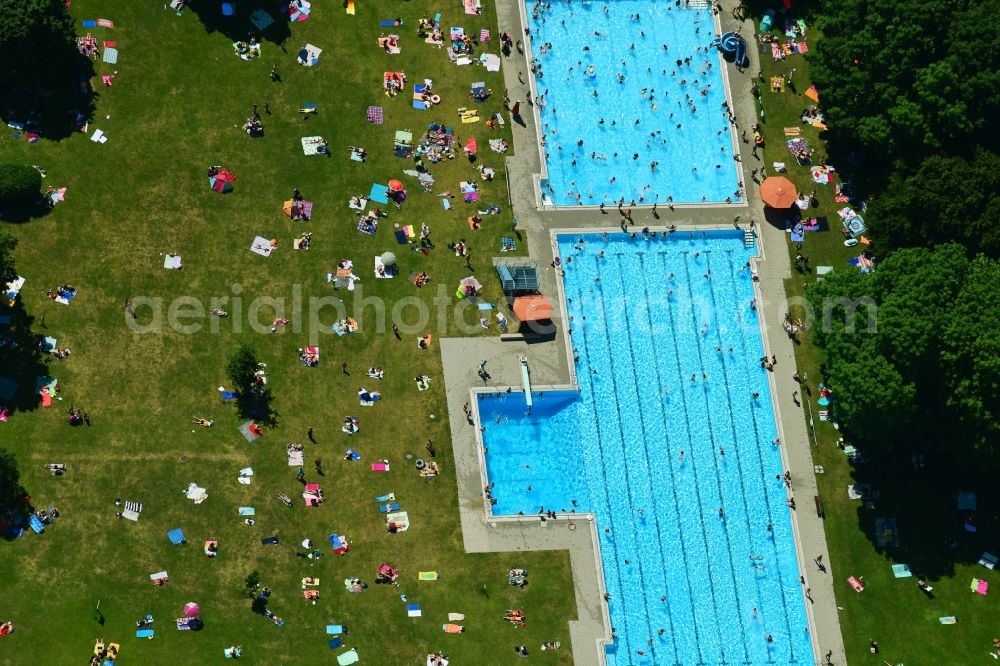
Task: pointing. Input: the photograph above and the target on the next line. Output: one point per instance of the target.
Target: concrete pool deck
(550, 366)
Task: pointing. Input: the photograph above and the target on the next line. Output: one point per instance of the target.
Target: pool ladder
(749, 238)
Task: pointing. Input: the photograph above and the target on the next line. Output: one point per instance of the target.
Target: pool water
(665, 430)
(615, 48)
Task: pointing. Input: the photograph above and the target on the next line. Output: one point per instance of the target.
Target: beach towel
(456, 617)
(269, 540)
(901, 571)
(856, 584)
(350, 8)
(105, 23)
(159, 575)
(379, 194)
(247, 511)
(349, 657)
(452, 628)
(380, 467)
(375, 115)
(484, 35)
(988, 560)
(388, 507)
(196, 493)
(490, 61)
(391, 23)
(400, 519)
(261, 19)
(335, 643)
(261, 246)
(176, 537)
(110, 56)
(413, 610)
(812, 93)
(948, 619)
(295, 458)
(144, 633)
(427, 575)
(90, 23)
(473, 7)
(172, 261)
(245, 431)
(335, 629)
(980, 586)
(228, 395)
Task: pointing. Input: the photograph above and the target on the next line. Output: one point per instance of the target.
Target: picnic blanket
(245, 430)
(886, 533)
(313, 145)
(261, 19)
(172, 261)
(490, 61)
(309, 55)
(295, 458)
(261, 246)
(379, 193)
(375, 115)
(110, 56)
(196, 493)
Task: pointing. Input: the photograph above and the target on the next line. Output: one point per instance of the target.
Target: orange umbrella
(532, 308)
(778, 192)
(395, 185)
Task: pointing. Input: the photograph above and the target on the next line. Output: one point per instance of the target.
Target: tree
(898, 85)
(254, 399)
(13, 496)
(19, 183)
(929, 371)
(252, 583)
(947, 199)
(42, 65)
(7, 244)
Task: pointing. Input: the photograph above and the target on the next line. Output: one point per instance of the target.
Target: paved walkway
(551, 365)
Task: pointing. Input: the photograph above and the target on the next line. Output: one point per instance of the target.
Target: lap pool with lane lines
(664, 432)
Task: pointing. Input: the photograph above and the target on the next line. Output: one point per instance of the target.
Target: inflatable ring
(435, 99)
(420, 463)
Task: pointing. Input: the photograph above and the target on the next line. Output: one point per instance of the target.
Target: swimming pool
(653, 110)
(665, 430)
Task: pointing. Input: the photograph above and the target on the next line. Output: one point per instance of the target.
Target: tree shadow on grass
(239, 26)
(257, 404)
(21, 359)
(932, 534)
(25, 212)
(48, 91)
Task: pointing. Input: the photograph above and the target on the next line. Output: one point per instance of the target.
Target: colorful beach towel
(375, 115)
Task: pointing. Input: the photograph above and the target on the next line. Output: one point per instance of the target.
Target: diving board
(526, 379)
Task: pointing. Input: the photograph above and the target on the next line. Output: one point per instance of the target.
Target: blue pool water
(693, 149)
(666, 364)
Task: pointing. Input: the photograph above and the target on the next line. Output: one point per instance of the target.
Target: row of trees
(910, 101)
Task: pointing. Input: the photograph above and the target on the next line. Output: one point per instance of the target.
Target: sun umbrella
(388, 259)
(471, 282)
(778, 192)
(532, 308)
(395, 185)
(191, 609)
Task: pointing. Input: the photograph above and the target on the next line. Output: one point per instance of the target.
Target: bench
(819, 506)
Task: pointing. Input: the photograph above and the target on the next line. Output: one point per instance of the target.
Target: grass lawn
(892, 611)
(175, 108)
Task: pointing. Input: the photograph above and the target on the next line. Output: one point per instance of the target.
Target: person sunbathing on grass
(204, 423)
(376, 373)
